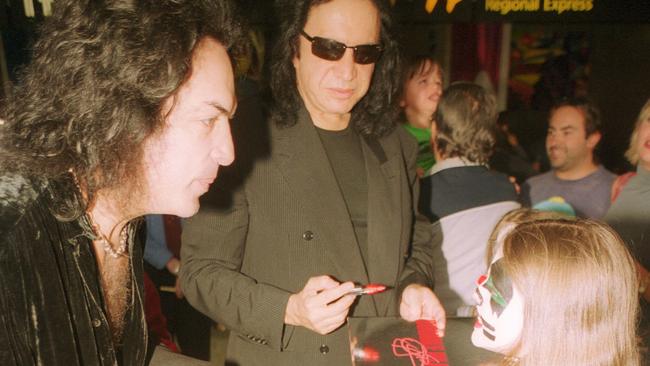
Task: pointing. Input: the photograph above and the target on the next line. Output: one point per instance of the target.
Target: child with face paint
(422, 88)
(558, 292)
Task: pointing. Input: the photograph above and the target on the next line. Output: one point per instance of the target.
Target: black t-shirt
(344, 152)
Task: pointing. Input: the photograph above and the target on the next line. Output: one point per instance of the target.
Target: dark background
(616, 34)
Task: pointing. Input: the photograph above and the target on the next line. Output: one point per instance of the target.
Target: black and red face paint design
(498, 287)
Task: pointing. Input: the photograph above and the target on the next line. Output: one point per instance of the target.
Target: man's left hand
(419, 302)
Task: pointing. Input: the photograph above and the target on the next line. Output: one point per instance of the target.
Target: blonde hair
(632, 153)
(580, 293)
(512, 219)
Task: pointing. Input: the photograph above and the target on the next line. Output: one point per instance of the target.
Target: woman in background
(629, 213)
(462, 197)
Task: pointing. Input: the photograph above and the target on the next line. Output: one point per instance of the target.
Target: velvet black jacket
(52, 310)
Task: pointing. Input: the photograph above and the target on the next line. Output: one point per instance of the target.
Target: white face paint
(500, 310)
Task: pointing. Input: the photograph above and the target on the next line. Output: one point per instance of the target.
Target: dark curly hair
(375, 114)
(466, 122)
(94, 90)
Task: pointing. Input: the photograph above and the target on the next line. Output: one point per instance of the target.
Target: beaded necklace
(106, 244)
(101, 238)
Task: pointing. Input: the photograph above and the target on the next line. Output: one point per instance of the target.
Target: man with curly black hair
(328, 204)
(123, 111)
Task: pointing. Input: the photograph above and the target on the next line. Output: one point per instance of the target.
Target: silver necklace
(101, 238)
(106, 244)
(108, 248)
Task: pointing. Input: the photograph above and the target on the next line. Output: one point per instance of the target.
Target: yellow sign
(557, 6)
(561, 6)
(431, 4)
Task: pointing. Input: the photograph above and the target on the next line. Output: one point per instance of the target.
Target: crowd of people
(353, 173)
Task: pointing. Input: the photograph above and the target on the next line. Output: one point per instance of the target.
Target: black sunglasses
(329, 49)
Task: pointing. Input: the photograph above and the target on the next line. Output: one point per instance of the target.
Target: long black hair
(94, 91)
(376, 113)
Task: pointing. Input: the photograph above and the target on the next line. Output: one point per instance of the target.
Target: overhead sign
(449, 7)
(529, 11)
(555, 6)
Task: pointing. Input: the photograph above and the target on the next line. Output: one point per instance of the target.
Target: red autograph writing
(413, 349)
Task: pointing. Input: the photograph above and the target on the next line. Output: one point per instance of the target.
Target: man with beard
(576, 178)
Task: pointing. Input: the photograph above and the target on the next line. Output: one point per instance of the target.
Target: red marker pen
(370, 289)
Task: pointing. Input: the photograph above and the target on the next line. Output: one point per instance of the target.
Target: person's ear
(296, 54)
(593, 139)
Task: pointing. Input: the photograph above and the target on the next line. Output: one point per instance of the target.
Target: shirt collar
(455, 162)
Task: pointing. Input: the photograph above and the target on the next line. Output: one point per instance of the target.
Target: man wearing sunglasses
(326, 206)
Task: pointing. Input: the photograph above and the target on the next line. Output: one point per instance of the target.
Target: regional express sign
(534, 11)
(556, 6)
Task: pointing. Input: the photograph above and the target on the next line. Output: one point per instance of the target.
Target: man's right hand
(321, 305)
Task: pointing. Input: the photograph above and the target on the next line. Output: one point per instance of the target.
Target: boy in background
(422, 88)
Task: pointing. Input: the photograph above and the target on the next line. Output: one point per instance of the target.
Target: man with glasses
(328, 205)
